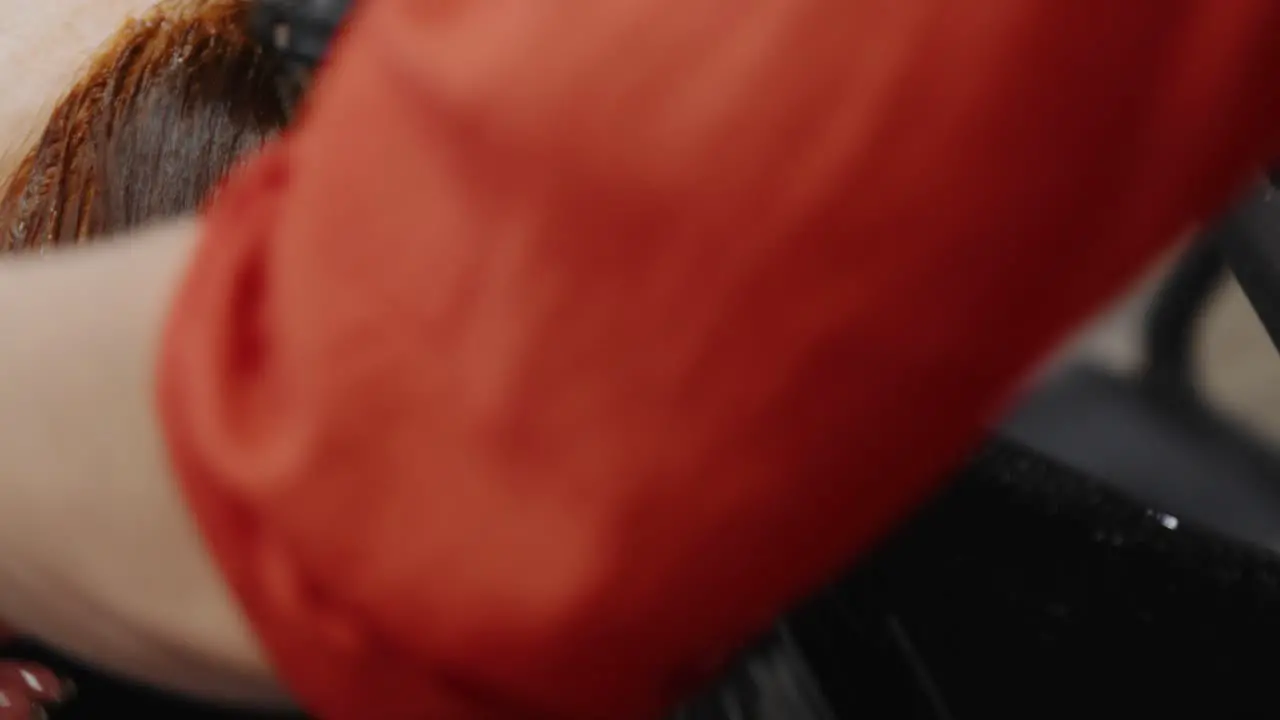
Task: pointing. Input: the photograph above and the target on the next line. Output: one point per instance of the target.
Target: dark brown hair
(148, 131)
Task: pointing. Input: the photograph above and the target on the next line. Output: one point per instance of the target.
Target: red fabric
(567, 342)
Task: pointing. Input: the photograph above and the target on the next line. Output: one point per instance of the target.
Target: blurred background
(1238, 368)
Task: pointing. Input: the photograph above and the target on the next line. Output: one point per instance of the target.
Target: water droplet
(1165, 519)
(32, 681)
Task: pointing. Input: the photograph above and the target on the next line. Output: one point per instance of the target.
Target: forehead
(42, 46)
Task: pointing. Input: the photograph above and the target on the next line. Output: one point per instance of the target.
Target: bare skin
(98, 554)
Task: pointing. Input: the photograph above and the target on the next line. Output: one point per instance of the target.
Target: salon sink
(1179, 456)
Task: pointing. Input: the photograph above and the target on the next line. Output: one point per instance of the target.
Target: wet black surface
(1029, 591)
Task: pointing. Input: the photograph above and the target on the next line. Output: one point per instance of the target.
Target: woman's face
(42, 45)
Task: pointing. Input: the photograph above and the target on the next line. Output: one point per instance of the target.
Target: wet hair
(173, 100)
